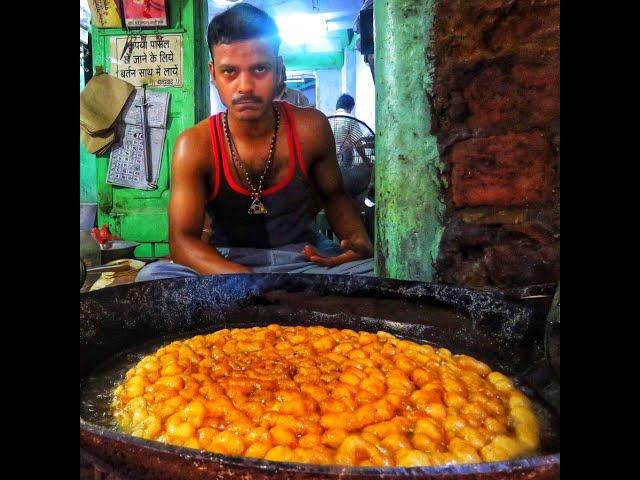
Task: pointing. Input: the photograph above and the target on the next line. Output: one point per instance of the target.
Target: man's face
(246, 74)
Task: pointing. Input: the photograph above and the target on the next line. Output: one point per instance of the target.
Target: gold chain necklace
(256, 207)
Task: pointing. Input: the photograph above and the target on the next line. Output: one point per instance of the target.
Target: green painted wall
(314, 57)
(88, 190)
(313, 61)
(408, 204)
(139, 215)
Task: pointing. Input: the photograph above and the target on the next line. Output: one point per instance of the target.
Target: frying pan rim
(380, 282)
(240, 461)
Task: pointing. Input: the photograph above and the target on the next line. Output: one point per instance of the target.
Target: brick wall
(496, 114)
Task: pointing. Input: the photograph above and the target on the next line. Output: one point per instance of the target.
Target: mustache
(246, 99)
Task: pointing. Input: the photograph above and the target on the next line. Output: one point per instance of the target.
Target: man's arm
(338, 204)
(189, 169)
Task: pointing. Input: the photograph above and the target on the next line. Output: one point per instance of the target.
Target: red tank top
(289, 203)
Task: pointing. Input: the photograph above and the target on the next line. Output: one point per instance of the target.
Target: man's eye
(228, 71)
(261, 69)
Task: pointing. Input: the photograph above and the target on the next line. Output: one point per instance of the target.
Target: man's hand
(353, 250)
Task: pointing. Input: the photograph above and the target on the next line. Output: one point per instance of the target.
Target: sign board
(154, 60)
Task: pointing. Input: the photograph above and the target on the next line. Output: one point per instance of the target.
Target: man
(348, 135)
(286, 94)
(346, 131)
(261, 170)
(345, 104)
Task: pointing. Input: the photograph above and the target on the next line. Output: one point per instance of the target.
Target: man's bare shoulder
(197, 133)
(309, 116)
(193, 146)
(314, 132)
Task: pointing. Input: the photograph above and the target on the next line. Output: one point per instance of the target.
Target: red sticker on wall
(145, 13)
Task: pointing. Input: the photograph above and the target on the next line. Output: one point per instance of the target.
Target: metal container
(88, 215)
(89, 249)
(117, 249)
(504, 334)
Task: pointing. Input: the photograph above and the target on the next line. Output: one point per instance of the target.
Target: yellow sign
(104, 14)
(154, 60)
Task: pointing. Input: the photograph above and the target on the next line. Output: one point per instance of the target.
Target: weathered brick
(513, 169)
(503, 249)
(467, 29)
(536, 23)
(521, 264)
(496, 101)
(465, 272)
(526, 93)
(489, 96)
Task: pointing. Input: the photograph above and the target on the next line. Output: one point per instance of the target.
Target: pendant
(257, 208)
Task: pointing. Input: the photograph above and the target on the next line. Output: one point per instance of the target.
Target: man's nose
(245, 83)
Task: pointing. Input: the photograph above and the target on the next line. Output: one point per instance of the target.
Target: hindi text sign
(154, 60)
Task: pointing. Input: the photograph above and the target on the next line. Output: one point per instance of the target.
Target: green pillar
(408, 186)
